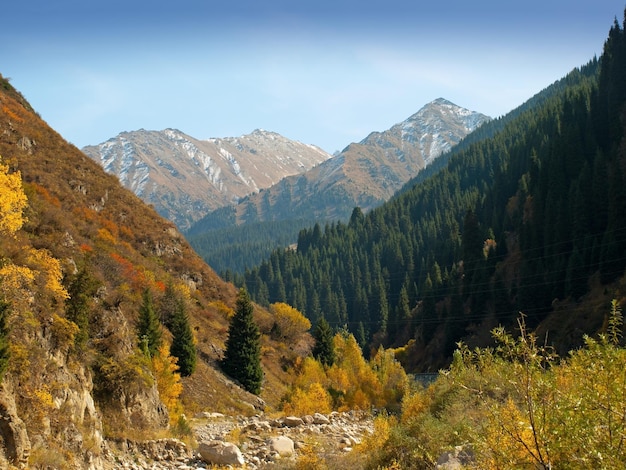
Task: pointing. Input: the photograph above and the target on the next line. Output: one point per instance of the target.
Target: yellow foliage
(383, 424)
(223, 309)
(50, 273)
(106, 236)
(391, 375)
(44, 399)
(414, 405)
(290, 322)
(508, 438)
(339, 379)
(42, 273)
(168, 381)
(350, 383)
(309, 371)
(15, 283)
(12, 201)
(314, 399)
(127, 375)
(64, 331)
(308, 459)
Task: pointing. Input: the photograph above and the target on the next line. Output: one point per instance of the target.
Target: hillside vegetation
(528, 218)
(86, 269)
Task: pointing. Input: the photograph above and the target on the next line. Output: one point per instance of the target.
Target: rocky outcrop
(456, 459)
(13, 434)
(185, 178)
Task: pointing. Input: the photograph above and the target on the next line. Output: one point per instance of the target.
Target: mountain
(79, 256)
(184, 178)
(364, 174)
(529, 219)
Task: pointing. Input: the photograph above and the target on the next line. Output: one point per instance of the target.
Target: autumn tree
(148, 327)
(242, 358)
(289, 323)
(12, 201)
(168, 381)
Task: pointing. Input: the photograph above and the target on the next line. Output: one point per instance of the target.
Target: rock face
(13, 434)
(185, 178)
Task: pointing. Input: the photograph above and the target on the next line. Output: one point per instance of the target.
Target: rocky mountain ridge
(184, 178)
(364, 174)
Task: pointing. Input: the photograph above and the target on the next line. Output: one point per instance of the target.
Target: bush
(519, 406)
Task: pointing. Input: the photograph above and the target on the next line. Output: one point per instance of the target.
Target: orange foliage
(126, 232)
(45, 194)
(110, 226)
(85, 248)
(138, 277)
(11, 114)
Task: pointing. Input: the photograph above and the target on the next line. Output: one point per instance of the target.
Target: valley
(488, 253)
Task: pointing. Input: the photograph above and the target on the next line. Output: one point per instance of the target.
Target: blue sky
(323, 72)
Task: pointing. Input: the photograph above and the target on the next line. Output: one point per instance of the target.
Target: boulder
(282, 445)
(319, 418)
(293, 421)
(220, 453)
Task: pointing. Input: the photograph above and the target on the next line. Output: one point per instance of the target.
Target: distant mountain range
(229, 194)
(184, 178)
(364, 174)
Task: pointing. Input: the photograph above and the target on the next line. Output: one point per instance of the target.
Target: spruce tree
(81, 288)
(242, 358)
(148, 326)
(324, 349)
(183, 346)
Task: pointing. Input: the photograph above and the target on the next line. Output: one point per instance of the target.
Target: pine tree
(81, 289)
(242, 358)
(324, 349)
(168, 304)
(183, 346)
(148, 326)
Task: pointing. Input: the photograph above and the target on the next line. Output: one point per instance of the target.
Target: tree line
(512, 221)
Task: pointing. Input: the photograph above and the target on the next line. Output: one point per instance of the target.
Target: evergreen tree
(242, 358)
(168, 304)
(81, 289)
(183, 346)
(324, 349)
(4, 338)
(148, 326)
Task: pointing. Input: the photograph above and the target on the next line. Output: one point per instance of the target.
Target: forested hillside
(234, 249)
(519, 221)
